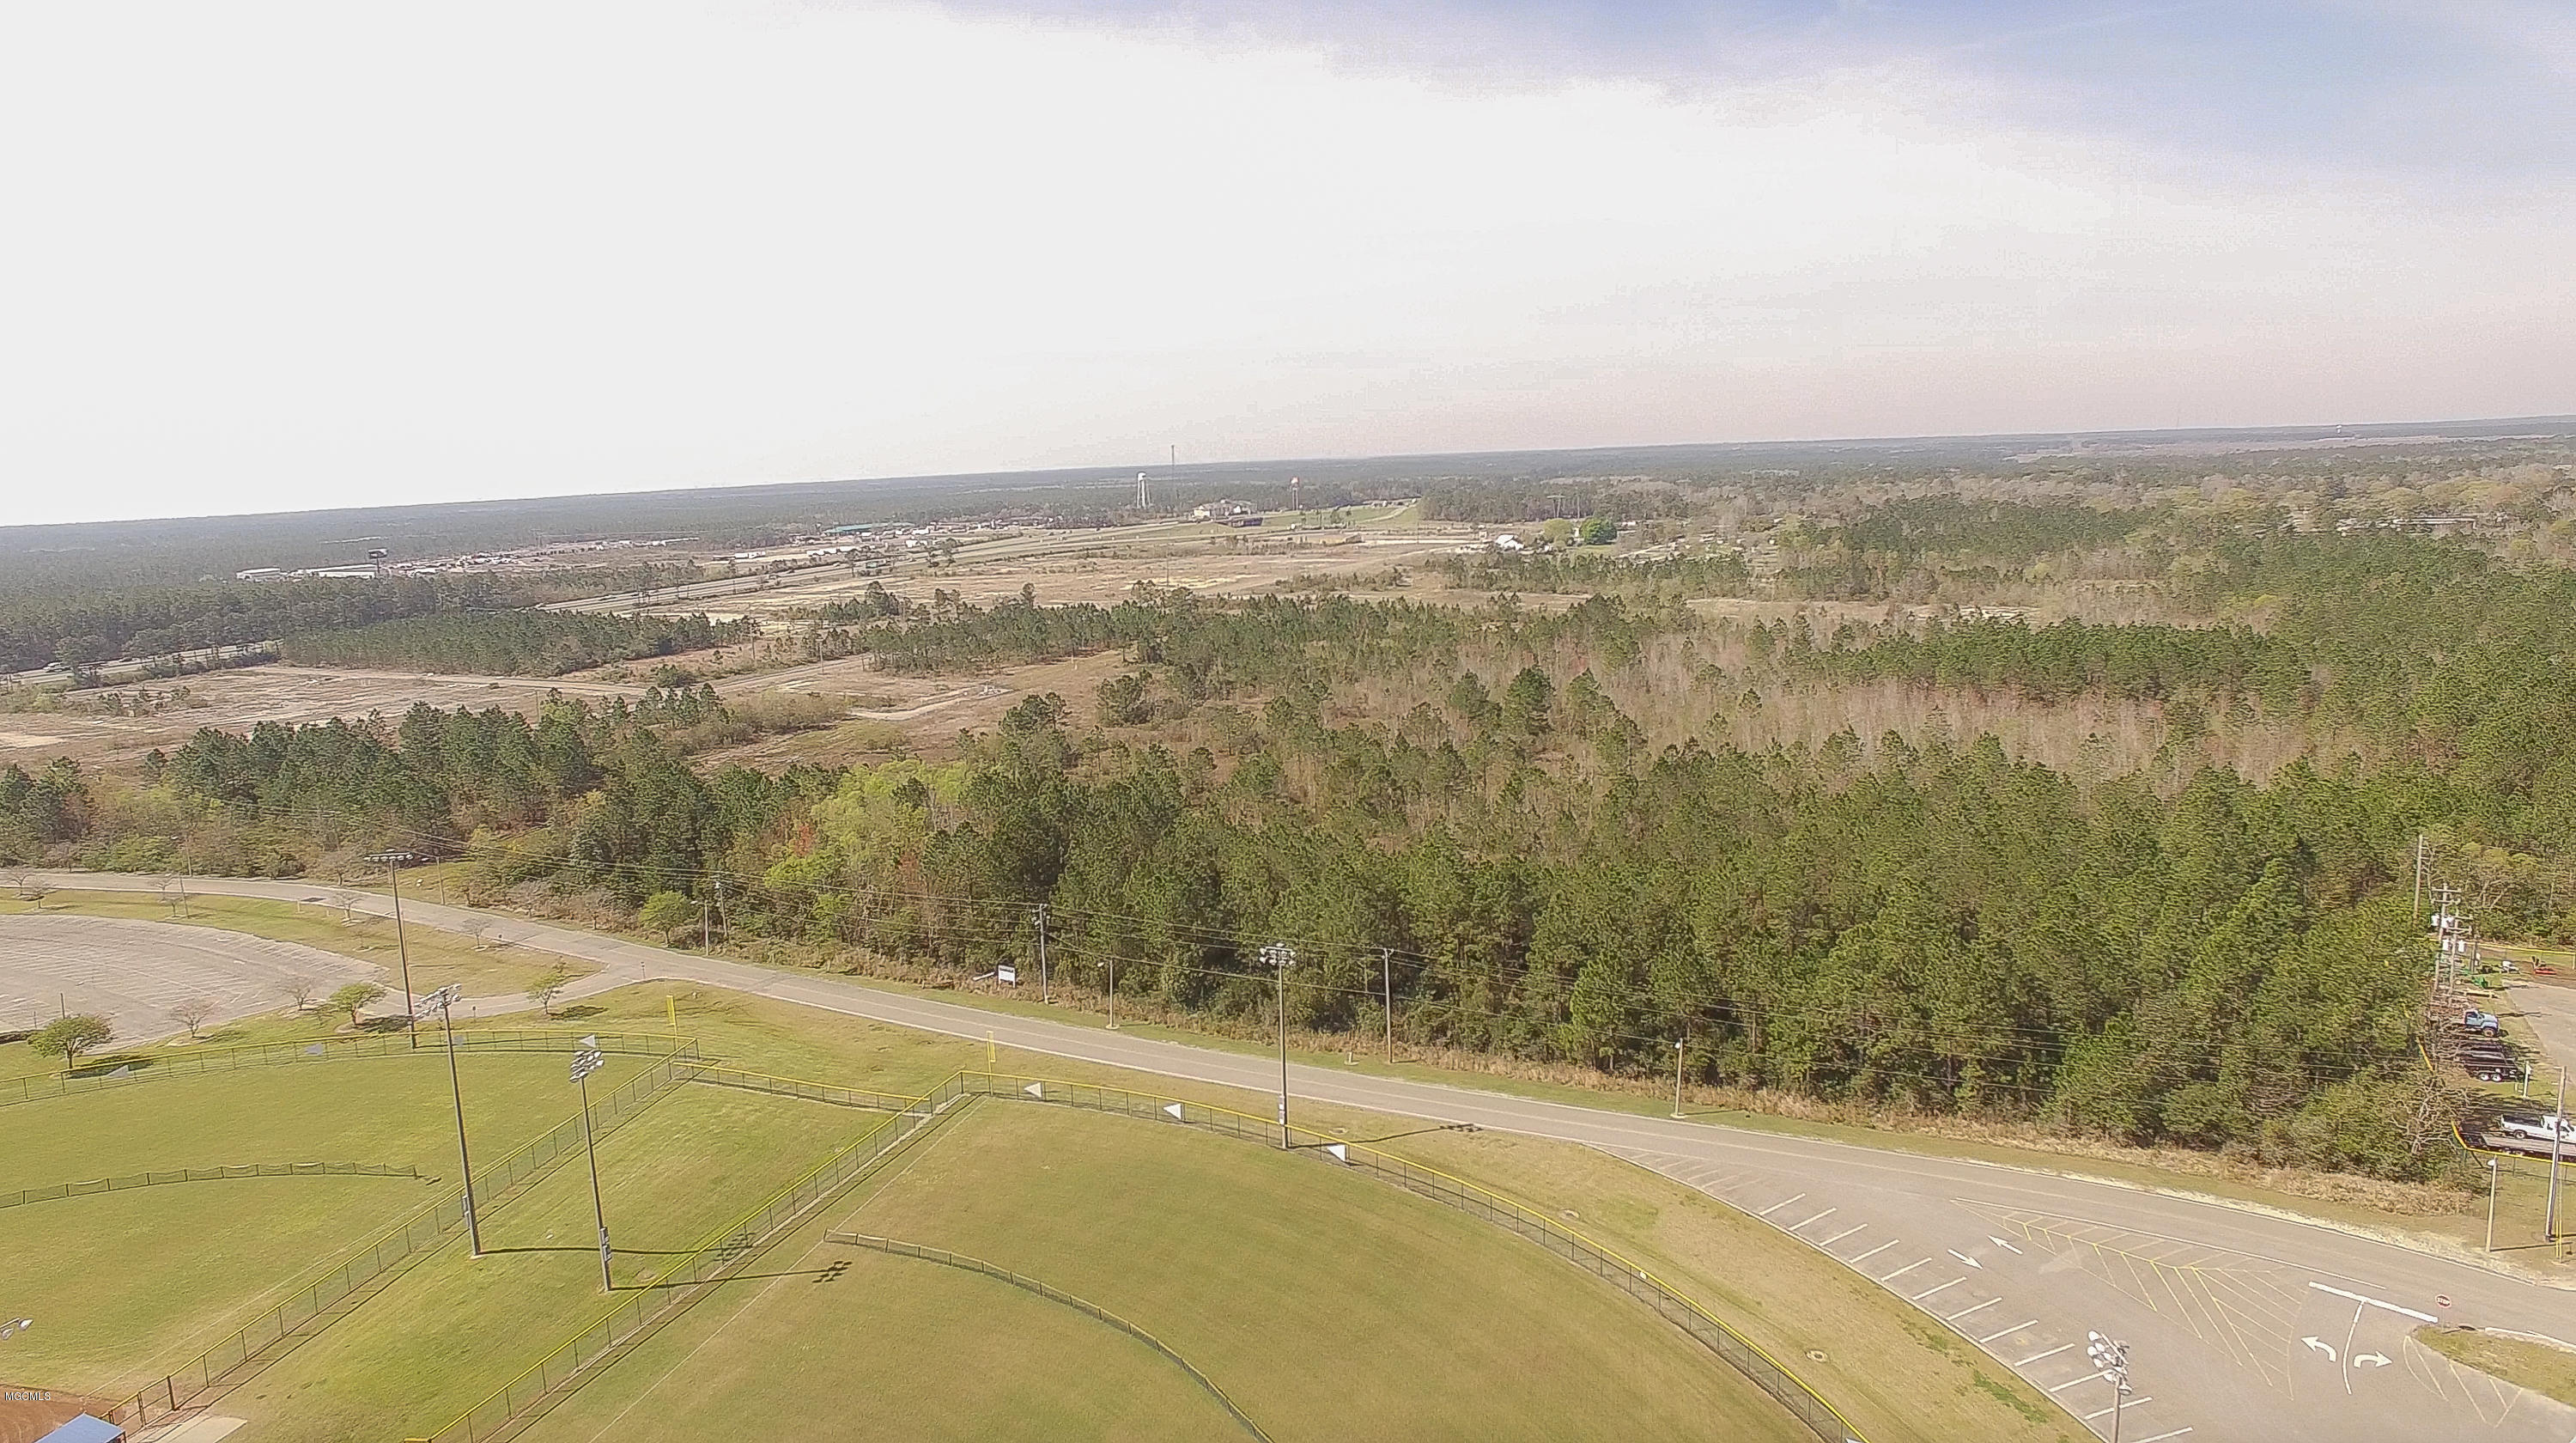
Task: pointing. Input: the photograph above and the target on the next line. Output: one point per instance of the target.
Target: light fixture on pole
(585, 1062)
(2112, 1357)
(440, 1001)
(1279, 957)
(393, 862)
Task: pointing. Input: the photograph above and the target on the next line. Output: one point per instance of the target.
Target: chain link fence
(1740, 1352)
(118, 1070)
(1053, 1295)
(823, 1092)
(379, 1259)
(205, 1174)
(640, 1309)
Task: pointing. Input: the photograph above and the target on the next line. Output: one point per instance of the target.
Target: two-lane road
(2247, 1324)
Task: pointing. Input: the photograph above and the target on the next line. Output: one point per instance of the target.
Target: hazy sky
(266, 256)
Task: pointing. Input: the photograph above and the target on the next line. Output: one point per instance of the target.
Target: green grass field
(456, 1327)
(1328, 1305)
(128, 1285)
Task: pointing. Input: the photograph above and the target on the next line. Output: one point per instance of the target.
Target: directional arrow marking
(1998, 1242)
(1963, 1257)
(2321, 1346)
(2369, 1360)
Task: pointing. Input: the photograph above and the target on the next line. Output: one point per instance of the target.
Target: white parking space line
(1873, 1252)
(1838, 1237)
(1775, 1207)
(2124, 1408)
(2035, 1357)
(2071, 1382)
(1979, 1308)
(1901, 1272)
(2161, 1437)
(1927, 1292)
(2376, 1303)
(2008, 1332)
(1829, 1212)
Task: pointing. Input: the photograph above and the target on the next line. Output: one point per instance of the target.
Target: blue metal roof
(85, 1429)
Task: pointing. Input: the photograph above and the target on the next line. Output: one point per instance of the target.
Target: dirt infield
(27, 1414)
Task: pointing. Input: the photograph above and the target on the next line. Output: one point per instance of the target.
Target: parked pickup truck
(2541, 1128)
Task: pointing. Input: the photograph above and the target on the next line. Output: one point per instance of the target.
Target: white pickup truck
(2543, 1128)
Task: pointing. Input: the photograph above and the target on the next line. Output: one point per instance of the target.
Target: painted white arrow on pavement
(2370, 1360)
(1998, 1242)
(1963, 1257)
(2321, 1346)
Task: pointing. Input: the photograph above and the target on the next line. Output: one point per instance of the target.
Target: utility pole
(443, 999)
(392, 862)
(2491, 1191)
(1113, 991)
(2557, 1146)
(1386, 966)
(2419, 874)
(584, 1063)
(1677, 1078)
(1044, 992)
(1280, 956)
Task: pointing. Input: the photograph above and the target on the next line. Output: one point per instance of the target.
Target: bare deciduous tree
(300, 990)
(192, 1013)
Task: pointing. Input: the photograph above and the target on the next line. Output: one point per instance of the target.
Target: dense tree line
(2187, 957)
(83, 626)
(512, 643)
(1541, 573)
(1938, 928)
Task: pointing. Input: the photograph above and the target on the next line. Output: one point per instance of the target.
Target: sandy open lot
(1095, 566)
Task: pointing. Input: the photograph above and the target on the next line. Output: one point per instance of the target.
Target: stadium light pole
(443, 999)
(585, 1062)
(392, 862)
(1281, 957)
(2112, 1357)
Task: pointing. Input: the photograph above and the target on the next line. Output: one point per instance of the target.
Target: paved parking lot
(134, 972)
(2226, 1345)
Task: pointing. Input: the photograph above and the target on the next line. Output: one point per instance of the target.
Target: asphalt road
(2244, 1324)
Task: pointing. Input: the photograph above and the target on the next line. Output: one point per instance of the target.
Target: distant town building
(261, 573)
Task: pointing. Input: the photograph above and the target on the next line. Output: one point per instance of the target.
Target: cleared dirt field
(924, 713)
